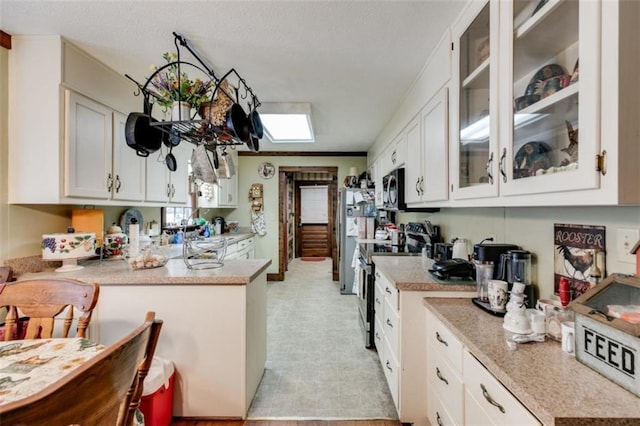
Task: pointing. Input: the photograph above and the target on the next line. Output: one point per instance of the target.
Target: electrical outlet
(627, 238)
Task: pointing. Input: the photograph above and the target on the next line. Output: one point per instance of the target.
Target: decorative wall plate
(266, 170)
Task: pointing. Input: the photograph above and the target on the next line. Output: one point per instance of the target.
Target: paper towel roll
(134, 239)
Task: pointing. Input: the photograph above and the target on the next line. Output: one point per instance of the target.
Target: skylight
(287, 122)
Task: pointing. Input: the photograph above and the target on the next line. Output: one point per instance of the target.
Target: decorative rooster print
(579, 261)
(572, 149)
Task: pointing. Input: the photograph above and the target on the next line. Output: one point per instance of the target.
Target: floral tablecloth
(27, 366)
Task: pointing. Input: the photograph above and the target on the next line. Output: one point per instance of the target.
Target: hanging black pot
(141, 136)
(238, 122)
(257, 129)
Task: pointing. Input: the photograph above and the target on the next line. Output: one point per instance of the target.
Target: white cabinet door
(179, 180)
(413, 170)
(158, 187)
(377, 181)
(474, 102)
(128, 168)
(88, 147)
(228, 192)
(541, 150)
(435, 148)
(164, 186)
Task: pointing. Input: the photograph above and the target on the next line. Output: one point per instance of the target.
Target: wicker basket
(216, 112)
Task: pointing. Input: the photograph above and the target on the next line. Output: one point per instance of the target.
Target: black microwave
(393, 193)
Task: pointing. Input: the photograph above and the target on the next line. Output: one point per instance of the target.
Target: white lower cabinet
(501, 407)
(461, 391)
(400, 328)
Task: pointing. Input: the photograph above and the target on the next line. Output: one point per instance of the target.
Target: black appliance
(457, 268)
(442, 251)
(393, 190)
(491, 252)
(366, 281)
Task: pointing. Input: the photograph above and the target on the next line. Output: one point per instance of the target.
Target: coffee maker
(491, 252)
(515, 267)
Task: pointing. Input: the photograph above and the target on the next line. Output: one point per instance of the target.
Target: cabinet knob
(118, 183)
(389, 366)
(109, 182)
(389, 323)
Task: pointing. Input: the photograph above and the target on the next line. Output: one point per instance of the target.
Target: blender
(515, 267)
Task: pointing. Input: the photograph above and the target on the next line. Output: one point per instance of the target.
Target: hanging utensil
(170, 160)
(226, 169)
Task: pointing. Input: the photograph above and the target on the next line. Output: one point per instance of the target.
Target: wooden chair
(92, 394)
(132, 399)
(43, 300)
(6, 274)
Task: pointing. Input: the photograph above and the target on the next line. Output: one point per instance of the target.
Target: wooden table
(28, 366)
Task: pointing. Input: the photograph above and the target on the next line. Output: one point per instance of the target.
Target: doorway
(289, 179)
(312, 222)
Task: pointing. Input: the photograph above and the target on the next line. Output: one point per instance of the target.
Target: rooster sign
(578, 256)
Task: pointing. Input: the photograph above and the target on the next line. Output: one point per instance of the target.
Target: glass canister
(484, 273)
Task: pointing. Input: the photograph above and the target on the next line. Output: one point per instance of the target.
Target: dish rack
(204, 254)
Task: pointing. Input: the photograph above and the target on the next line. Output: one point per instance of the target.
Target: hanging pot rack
(191, 129)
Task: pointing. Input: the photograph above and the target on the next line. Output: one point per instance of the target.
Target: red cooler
(157, 396)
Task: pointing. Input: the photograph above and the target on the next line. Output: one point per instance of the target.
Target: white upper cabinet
(80, 104)
(99, 165)
(474, 106)
(88, 147)
(164, 186)
(128, 176)
(550, 96)
(549, 113)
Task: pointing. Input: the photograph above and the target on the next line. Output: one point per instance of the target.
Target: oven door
(365, 300)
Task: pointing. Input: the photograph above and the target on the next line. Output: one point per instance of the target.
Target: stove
(384, 248)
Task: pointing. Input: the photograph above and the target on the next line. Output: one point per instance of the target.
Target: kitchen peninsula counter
(118, 272)
(553, 385)
(214, 325)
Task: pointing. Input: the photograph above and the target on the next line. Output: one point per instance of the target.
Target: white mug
(568, 337)
(538, 321)
(497, 292)
(459, 250)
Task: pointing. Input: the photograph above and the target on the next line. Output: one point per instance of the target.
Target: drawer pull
(387, 290)
(377, 275)
(389, 323)
(439, 374)
(491, 400)
(438, 419)
(389, 366)
(378, 336)
(377, 301)
(440, 339)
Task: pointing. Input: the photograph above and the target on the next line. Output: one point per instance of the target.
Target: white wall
(532, 229)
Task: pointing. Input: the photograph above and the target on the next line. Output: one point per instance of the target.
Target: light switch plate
(626, 239)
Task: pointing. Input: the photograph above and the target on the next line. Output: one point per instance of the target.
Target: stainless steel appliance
(349, 213)
(393, 190)
(366, 281)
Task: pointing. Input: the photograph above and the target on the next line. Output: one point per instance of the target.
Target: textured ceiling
(352, 60)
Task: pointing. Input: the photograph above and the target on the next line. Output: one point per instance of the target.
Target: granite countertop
(118, 271)
(553, 385)
(411, 273)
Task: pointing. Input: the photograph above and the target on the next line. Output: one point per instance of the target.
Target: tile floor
(317, 366)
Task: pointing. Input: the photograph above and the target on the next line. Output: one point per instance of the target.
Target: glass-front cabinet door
(474, 102)
(550, 102)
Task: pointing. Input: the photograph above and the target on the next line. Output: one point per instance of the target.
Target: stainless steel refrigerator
(354, 206)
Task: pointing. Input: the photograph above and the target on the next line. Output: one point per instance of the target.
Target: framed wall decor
(266, 170)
